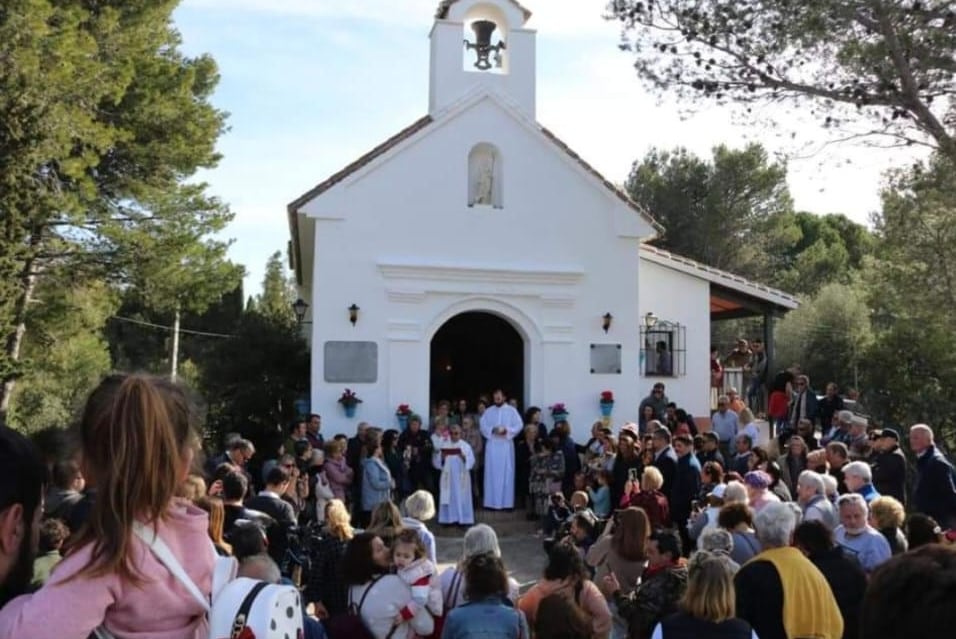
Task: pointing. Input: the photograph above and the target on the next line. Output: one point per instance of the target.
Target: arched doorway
(472, 354)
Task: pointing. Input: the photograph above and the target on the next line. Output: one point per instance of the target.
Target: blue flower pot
(402, 422)
(350, 411)
(606, 408)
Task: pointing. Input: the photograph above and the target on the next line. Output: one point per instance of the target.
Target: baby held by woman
(421, 575)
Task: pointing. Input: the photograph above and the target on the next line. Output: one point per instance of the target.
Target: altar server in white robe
(455, 461)
(500, 424)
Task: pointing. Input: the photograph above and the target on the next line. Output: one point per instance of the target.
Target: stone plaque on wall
(351, 362)
(606, 359)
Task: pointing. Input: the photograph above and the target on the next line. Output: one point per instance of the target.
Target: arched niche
(485, 176)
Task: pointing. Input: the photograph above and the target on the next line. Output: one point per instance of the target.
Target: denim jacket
(491, 618)
(376, 483)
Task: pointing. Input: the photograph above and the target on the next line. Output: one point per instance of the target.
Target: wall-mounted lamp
(650, 320)
(606, 323)
(299, 307)
(353, 313)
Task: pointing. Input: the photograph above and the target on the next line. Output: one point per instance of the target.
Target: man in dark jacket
(270, 502)
(686, 486)
(656, 400)
(665, 459)
(889, 465)
(935, 492)
(845, 575)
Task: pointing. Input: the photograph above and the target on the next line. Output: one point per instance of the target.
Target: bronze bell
(484, 29)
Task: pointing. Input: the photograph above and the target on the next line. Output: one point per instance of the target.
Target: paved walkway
(522, 555)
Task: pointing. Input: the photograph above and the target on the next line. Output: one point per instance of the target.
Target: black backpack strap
(242, 616)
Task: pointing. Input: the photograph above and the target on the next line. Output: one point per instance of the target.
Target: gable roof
(442, 12)
(724, 280)
(422, 123)
(381, 149)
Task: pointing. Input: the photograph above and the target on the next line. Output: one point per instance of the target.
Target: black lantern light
(353, 313)
(299, 307)
(606, 323)
(650, 320)
(483, 48)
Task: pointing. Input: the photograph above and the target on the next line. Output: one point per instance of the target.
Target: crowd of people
(665, 528)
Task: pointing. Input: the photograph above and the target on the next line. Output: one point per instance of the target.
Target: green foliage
(278, 292)
(104, 122)
(67, 353)
(865, 66)
(828, 335)
(827, 248)
(912, 289)
(735, 213)
(713, 211)
(252, 380)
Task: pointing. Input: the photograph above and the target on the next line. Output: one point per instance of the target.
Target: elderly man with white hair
(811, 495)
(839, 432)
(858, 477)
(782, 575)
(857, 537)
(935, 492)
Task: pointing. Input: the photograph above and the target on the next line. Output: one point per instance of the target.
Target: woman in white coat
(365, 569)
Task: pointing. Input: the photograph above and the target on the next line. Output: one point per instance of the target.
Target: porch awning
(731, 296)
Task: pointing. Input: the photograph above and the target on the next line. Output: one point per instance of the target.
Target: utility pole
(174, 367)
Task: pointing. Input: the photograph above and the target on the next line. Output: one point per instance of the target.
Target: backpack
(241, 608)
(349, 625)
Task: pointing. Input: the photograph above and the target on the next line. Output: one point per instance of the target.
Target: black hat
(891, 433)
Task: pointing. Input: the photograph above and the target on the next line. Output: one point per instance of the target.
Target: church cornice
(453, 273)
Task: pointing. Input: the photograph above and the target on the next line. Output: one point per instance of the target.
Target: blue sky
(312, 84)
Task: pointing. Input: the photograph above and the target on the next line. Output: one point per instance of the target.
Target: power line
(169, 328)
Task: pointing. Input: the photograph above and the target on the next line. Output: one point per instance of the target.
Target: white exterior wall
(398, 239)
(677, 297)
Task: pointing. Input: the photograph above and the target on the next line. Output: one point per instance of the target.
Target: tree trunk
(28, 282)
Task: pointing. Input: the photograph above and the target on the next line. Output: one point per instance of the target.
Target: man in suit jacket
(889, 465)
(686, 486)
(665, 459)
(935, 492)
(270, 503)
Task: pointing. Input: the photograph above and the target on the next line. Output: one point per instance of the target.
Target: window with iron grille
(663, 350)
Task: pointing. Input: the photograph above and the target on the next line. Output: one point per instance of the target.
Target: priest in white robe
(500, 424)
(455, 461)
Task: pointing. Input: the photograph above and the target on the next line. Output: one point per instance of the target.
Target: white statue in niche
(483, 177)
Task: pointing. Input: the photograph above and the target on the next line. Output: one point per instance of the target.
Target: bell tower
(482, 43)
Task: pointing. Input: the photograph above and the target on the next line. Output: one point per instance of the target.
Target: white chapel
(400, 316)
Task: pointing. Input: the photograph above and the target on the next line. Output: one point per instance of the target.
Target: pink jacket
(159, 608)
(339, 476)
